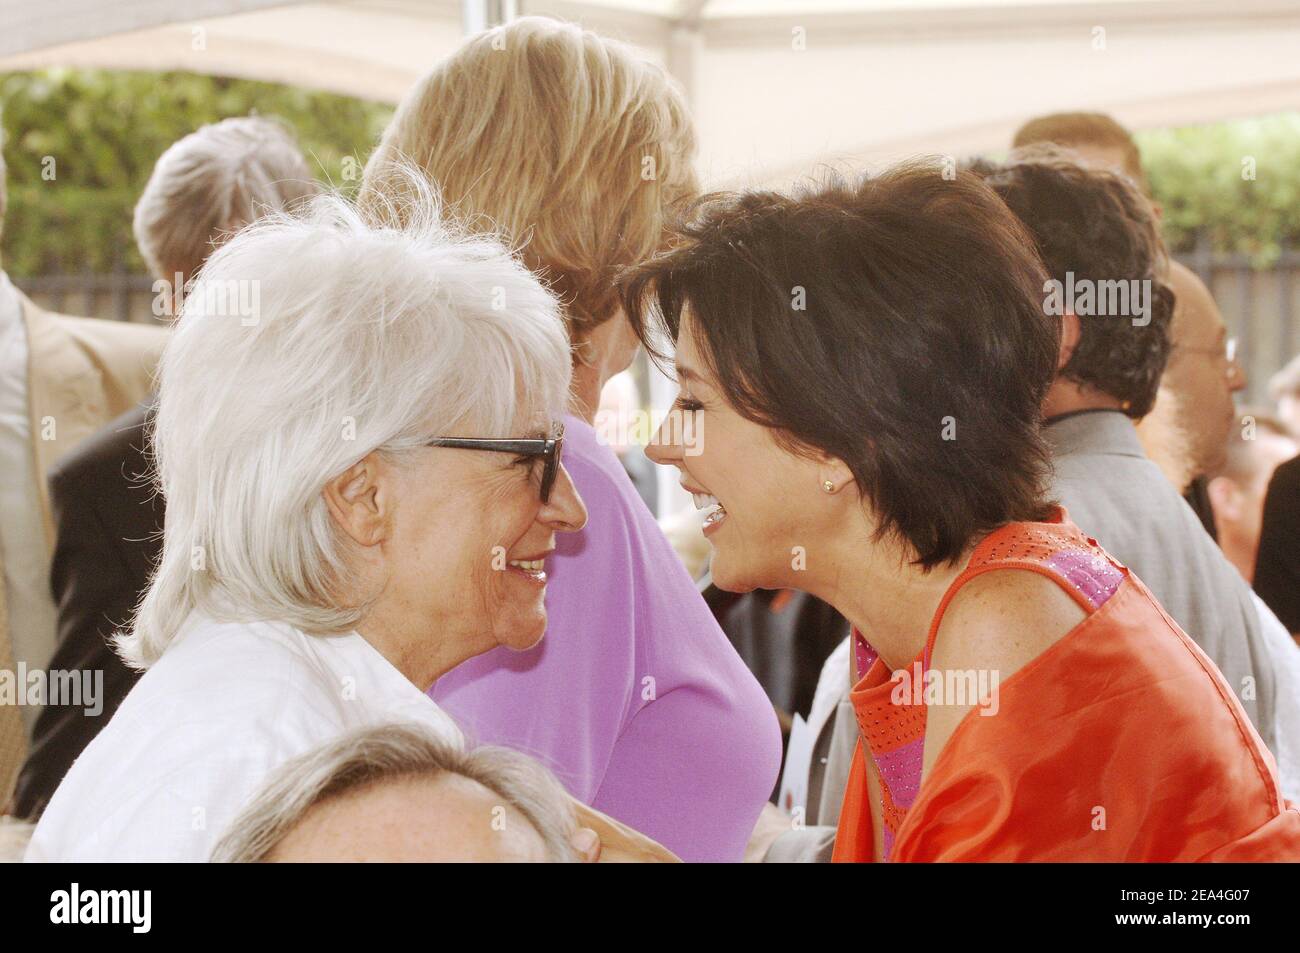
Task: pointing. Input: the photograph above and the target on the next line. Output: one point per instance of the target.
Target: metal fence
(117, 295)
(1260, 306)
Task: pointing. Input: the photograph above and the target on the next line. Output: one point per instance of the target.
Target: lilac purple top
(635, 698)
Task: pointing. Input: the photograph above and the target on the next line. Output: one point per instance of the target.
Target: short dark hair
(1097, 225)
(922, 301)
(1085, 129)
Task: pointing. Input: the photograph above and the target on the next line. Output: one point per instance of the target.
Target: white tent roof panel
(877, 79)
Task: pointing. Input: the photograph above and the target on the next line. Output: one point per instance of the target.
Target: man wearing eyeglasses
(1201, 377)
(1111, 374)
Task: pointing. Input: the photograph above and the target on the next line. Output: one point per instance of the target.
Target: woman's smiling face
(469, 541)
(766, 507)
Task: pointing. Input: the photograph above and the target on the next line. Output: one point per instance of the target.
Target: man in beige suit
(61, 379)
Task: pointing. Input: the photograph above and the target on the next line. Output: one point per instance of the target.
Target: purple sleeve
(635, 698)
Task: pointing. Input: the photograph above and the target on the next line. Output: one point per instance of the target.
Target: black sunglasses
(548, 448)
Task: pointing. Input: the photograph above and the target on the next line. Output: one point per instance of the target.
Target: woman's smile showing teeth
(715, 517)
(533, 569)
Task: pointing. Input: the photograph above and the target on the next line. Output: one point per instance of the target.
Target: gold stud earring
(828, 486)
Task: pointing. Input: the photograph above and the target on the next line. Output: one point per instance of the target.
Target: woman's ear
(1070, 332)
(833, 474)
(358, 500)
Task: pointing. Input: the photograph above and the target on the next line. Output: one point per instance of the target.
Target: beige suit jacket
(81, 374)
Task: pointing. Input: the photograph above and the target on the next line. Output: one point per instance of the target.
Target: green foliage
(1202, 177)
(104, 130)
(100, 132)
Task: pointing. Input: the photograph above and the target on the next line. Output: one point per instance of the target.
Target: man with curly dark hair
(1099, 239)
(1098, 235)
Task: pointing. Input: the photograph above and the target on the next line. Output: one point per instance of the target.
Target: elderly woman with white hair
(361, 468)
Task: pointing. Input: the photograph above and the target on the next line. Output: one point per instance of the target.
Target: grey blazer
(1120, 498)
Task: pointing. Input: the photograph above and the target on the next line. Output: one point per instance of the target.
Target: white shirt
(832, 685)
(200, 733)
(24, 550)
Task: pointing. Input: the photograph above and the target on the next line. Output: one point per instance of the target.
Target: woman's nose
(565, 510)
(664, 448)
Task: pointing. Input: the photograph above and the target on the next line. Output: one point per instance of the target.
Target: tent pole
(479, 15)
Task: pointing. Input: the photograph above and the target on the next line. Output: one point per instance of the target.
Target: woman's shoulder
(229, 671)
(204, 643)
(1026, 586)
(997, 623)
(158, 792)
(1002, 619)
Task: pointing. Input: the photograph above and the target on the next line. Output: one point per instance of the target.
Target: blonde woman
(576, 149)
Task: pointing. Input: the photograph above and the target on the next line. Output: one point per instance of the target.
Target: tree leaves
(80, 144)
(1235, 186)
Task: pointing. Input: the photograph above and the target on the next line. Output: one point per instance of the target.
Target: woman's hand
(617, 843)
(772, 823)
(586, 845)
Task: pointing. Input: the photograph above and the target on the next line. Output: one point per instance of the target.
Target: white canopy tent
(778, 87)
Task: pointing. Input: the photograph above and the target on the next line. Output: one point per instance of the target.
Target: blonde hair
(572, 144)
(211, 183)
(1085, 129)
(307, 342)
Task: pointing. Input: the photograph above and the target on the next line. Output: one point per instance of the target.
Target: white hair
(373, 756)
(308, 342)
(211, 183)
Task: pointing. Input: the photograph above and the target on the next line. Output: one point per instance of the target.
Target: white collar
(354, 672)
(365, 677)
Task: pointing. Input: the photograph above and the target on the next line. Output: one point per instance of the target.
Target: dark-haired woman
(867, 365)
